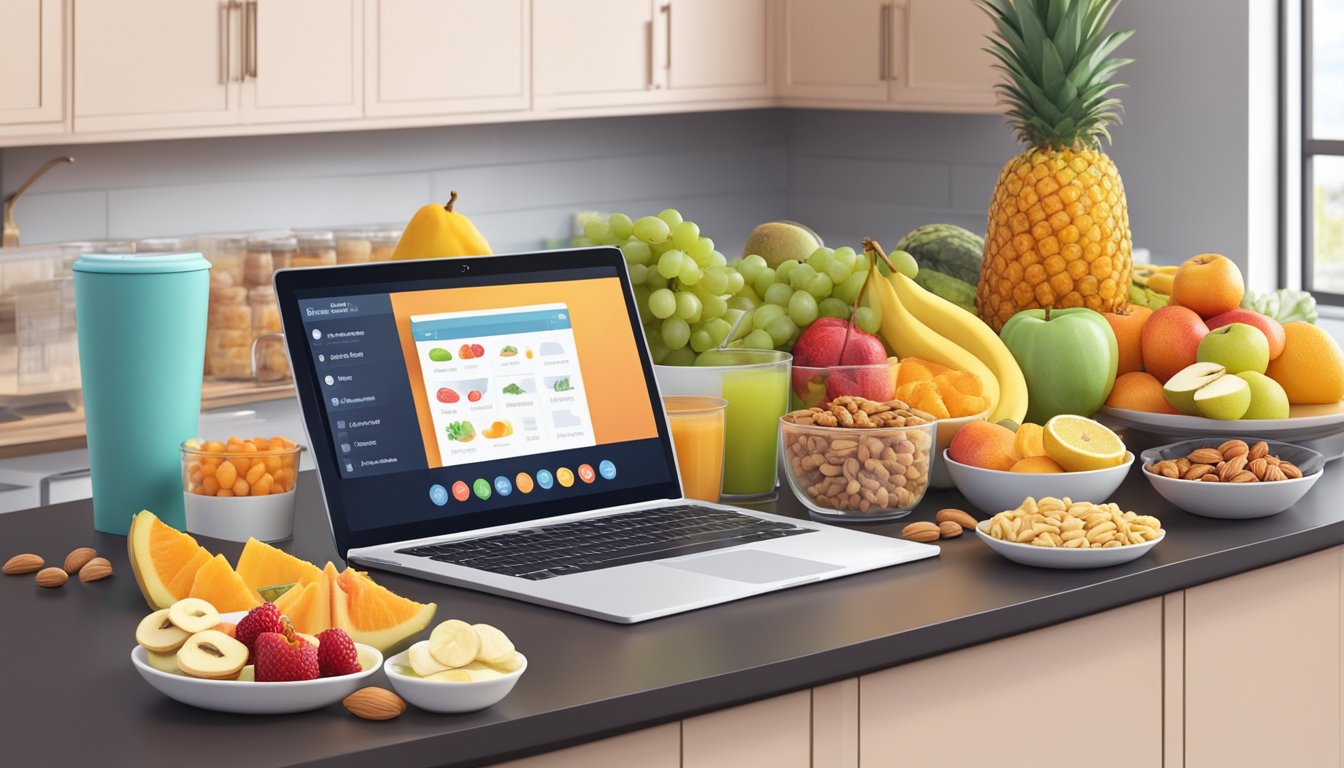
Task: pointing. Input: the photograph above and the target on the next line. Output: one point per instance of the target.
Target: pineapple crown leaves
(1056, 57)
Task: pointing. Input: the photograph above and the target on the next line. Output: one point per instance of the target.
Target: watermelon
(954, 251)
(958, 292)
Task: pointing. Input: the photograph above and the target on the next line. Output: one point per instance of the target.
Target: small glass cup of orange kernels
(237, 467)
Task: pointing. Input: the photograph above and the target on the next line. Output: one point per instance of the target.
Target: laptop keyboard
(606, 542)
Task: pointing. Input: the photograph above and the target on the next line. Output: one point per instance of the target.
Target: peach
(982, 444)
(1272, 328)
(1128, 325)
(1170, 340)
(1209, 283)
(1139, 391)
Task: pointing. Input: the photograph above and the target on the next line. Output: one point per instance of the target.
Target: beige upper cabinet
(604, 53)
(426, 57)
(32, 66)
(302, 60)
(154, 64)
(901, 54)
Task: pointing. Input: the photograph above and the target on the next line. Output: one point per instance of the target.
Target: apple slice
(1180, 389)
(158, 634)
(1226, 398)
(213, 655)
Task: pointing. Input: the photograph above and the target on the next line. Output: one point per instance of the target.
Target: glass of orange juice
(697, 435)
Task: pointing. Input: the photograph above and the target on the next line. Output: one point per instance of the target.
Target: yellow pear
(437, 231)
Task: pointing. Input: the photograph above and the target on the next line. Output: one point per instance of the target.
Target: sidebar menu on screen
(362, 380)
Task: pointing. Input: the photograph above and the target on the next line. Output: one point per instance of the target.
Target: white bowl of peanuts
(858, 459)
(239, 489)
(1067, 534)
(1233, 479)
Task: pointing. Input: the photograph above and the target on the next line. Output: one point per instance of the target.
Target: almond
(77, 558)
(1233, 448)
(1290, 470)
(94, 570)
(921, 531)
(1211, 477)
(1182, 465)
(949, 529)
(1205, 456)
(1232, 467)
(374, 703)
(51, 577)
(1258, 451)
(1244, 476)
(1274, 474)
(23, 564)
(1258, 466)
(957, 516)
(1169, 469)
(1196, 471)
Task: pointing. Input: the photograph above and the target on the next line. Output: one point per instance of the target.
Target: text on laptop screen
(466, 400)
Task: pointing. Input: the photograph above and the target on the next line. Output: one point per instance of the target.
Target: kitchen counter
(73, 696)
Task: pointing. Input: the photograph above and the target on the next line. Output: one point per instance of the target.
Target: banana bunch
(1150, 285)
(918, 323)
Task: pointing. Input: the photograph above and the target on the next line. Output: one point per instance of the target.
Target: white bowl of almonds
(461, 668)
(1235, 479)
(1062, 533)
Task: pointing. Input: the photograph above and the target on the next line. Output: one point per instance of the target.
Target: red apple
(1171, 340)
(823, 345)
(1272, 328)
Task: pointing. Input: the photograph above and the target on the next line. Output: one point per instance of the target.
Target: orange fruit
(1079, 444)
(262, 565)
(1127, 324)
(1311, 368)
(308, 606)
(923, 396)
(158, 552)
(372, 614)
(217, 584)
(1029, 441)
(1209, 283)
(1139, 391)
(914, 369)
(180, 585)
(1035, 465)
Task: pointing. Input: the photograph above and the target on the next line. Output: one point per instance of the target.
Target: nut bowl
(1234, 500)
(858, 474)
(1061, 558)
(994, 490)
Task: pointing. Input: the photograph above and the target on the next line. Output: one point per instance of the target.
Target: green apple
(1237, 347)
(1180, 389)
(1268, 400)
(1068, 357)
(1225, 398)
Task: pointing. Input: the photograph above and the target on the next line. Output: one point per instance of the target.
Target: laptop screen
(444, 396)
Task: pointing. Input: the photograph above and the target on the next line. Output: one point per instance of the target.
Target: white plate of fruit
(249, 662)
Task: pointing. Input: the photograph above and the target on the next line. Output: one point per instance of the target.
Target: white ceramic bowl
(1234, 501)
(268, 518)
(442, 696)
(253, 698)
(993, 490)
(1062, 557)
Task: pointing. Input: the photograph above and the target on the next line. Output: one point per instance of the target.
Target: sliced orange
(180, 585)
(1029, 441)
(372, 614)
(308, 606)
(262, 565)
(217, 584)
(1036, 465)
(1080, 444)
(157, 552)
(923, 396)
(915, 369)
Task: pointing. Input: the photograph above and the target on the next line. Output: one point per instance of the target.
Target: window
(1323, 149)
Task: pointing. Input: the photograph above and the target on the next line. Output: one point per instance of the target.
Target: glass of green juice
(755, 382)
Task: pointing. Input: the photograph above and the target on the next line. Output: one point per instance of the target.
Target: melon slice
(158, 552)
(262, 565)
(180, 585)
(372, 614)
(308, 606)
(217, 584)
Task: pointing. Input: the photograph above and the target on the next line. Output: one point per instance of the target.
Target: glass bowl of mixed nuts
(858, 459)
(1234, 479)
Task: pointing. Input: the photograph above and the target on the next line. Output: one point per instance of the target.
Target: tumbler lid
(139, 263)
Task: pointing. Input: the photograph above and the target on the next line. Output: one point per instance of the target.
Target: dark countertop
(70, 693)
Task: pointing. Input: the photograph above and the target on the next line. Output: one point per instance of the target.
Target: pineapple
(1058, 229)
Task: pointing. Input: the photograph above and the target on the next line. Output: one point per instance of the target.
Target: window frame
(1311, 148)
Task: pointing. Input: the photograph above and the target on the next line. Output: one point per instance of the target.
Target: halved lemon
(1079, 444)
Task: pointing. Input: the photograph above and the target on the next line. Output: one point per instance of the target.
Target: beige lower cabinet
(776, 732)
(1084, 693)
(1262, 667)
(657, 747)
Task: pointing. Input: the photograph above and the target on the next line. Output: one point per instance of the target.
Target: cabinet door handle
(225, 33)
(902, 7)
(667, 29)
(250, 37)
(884, 43)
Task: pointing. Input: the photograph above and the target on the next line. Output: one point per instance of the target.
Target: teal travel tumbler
(141, 326)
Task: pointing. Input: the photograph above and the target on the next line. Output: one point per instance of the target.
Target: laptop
(494, 423)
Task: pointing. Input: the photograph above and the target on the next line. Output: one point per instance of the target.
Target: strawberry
(282, 658)
(264, 618)
(336, 653)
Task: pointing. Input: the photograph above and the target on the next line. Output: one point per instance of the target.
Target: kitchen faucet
(11, 230)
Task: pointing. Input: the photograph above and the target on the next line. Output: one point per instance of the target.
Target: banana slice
(474, 672)
(248, 674)
(454, 643)
(192, 615)
(164, 662)
(495, 645)
(451, 676)
(157, 633)
(512, 663)
(422, 662)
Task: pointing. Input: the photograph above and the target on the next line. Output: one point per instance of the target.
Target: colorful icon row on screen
(523, 482)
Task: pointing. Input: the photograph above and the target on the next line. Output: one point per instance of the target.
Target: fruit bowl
(249, 697)
(1234, 501)
(448, 697)
(1304, 422)
(1060, 557)
(993, 490)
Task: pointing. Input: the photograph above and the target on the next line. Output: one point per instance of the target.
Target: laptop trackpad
(751, 566)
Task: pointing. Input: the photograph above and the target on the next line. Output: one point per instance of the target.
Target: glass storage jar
(266, 252)
(268, 349)
(315, 248)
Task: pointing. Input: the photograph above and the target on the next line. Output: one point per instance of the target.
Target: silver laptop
(494, 423)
